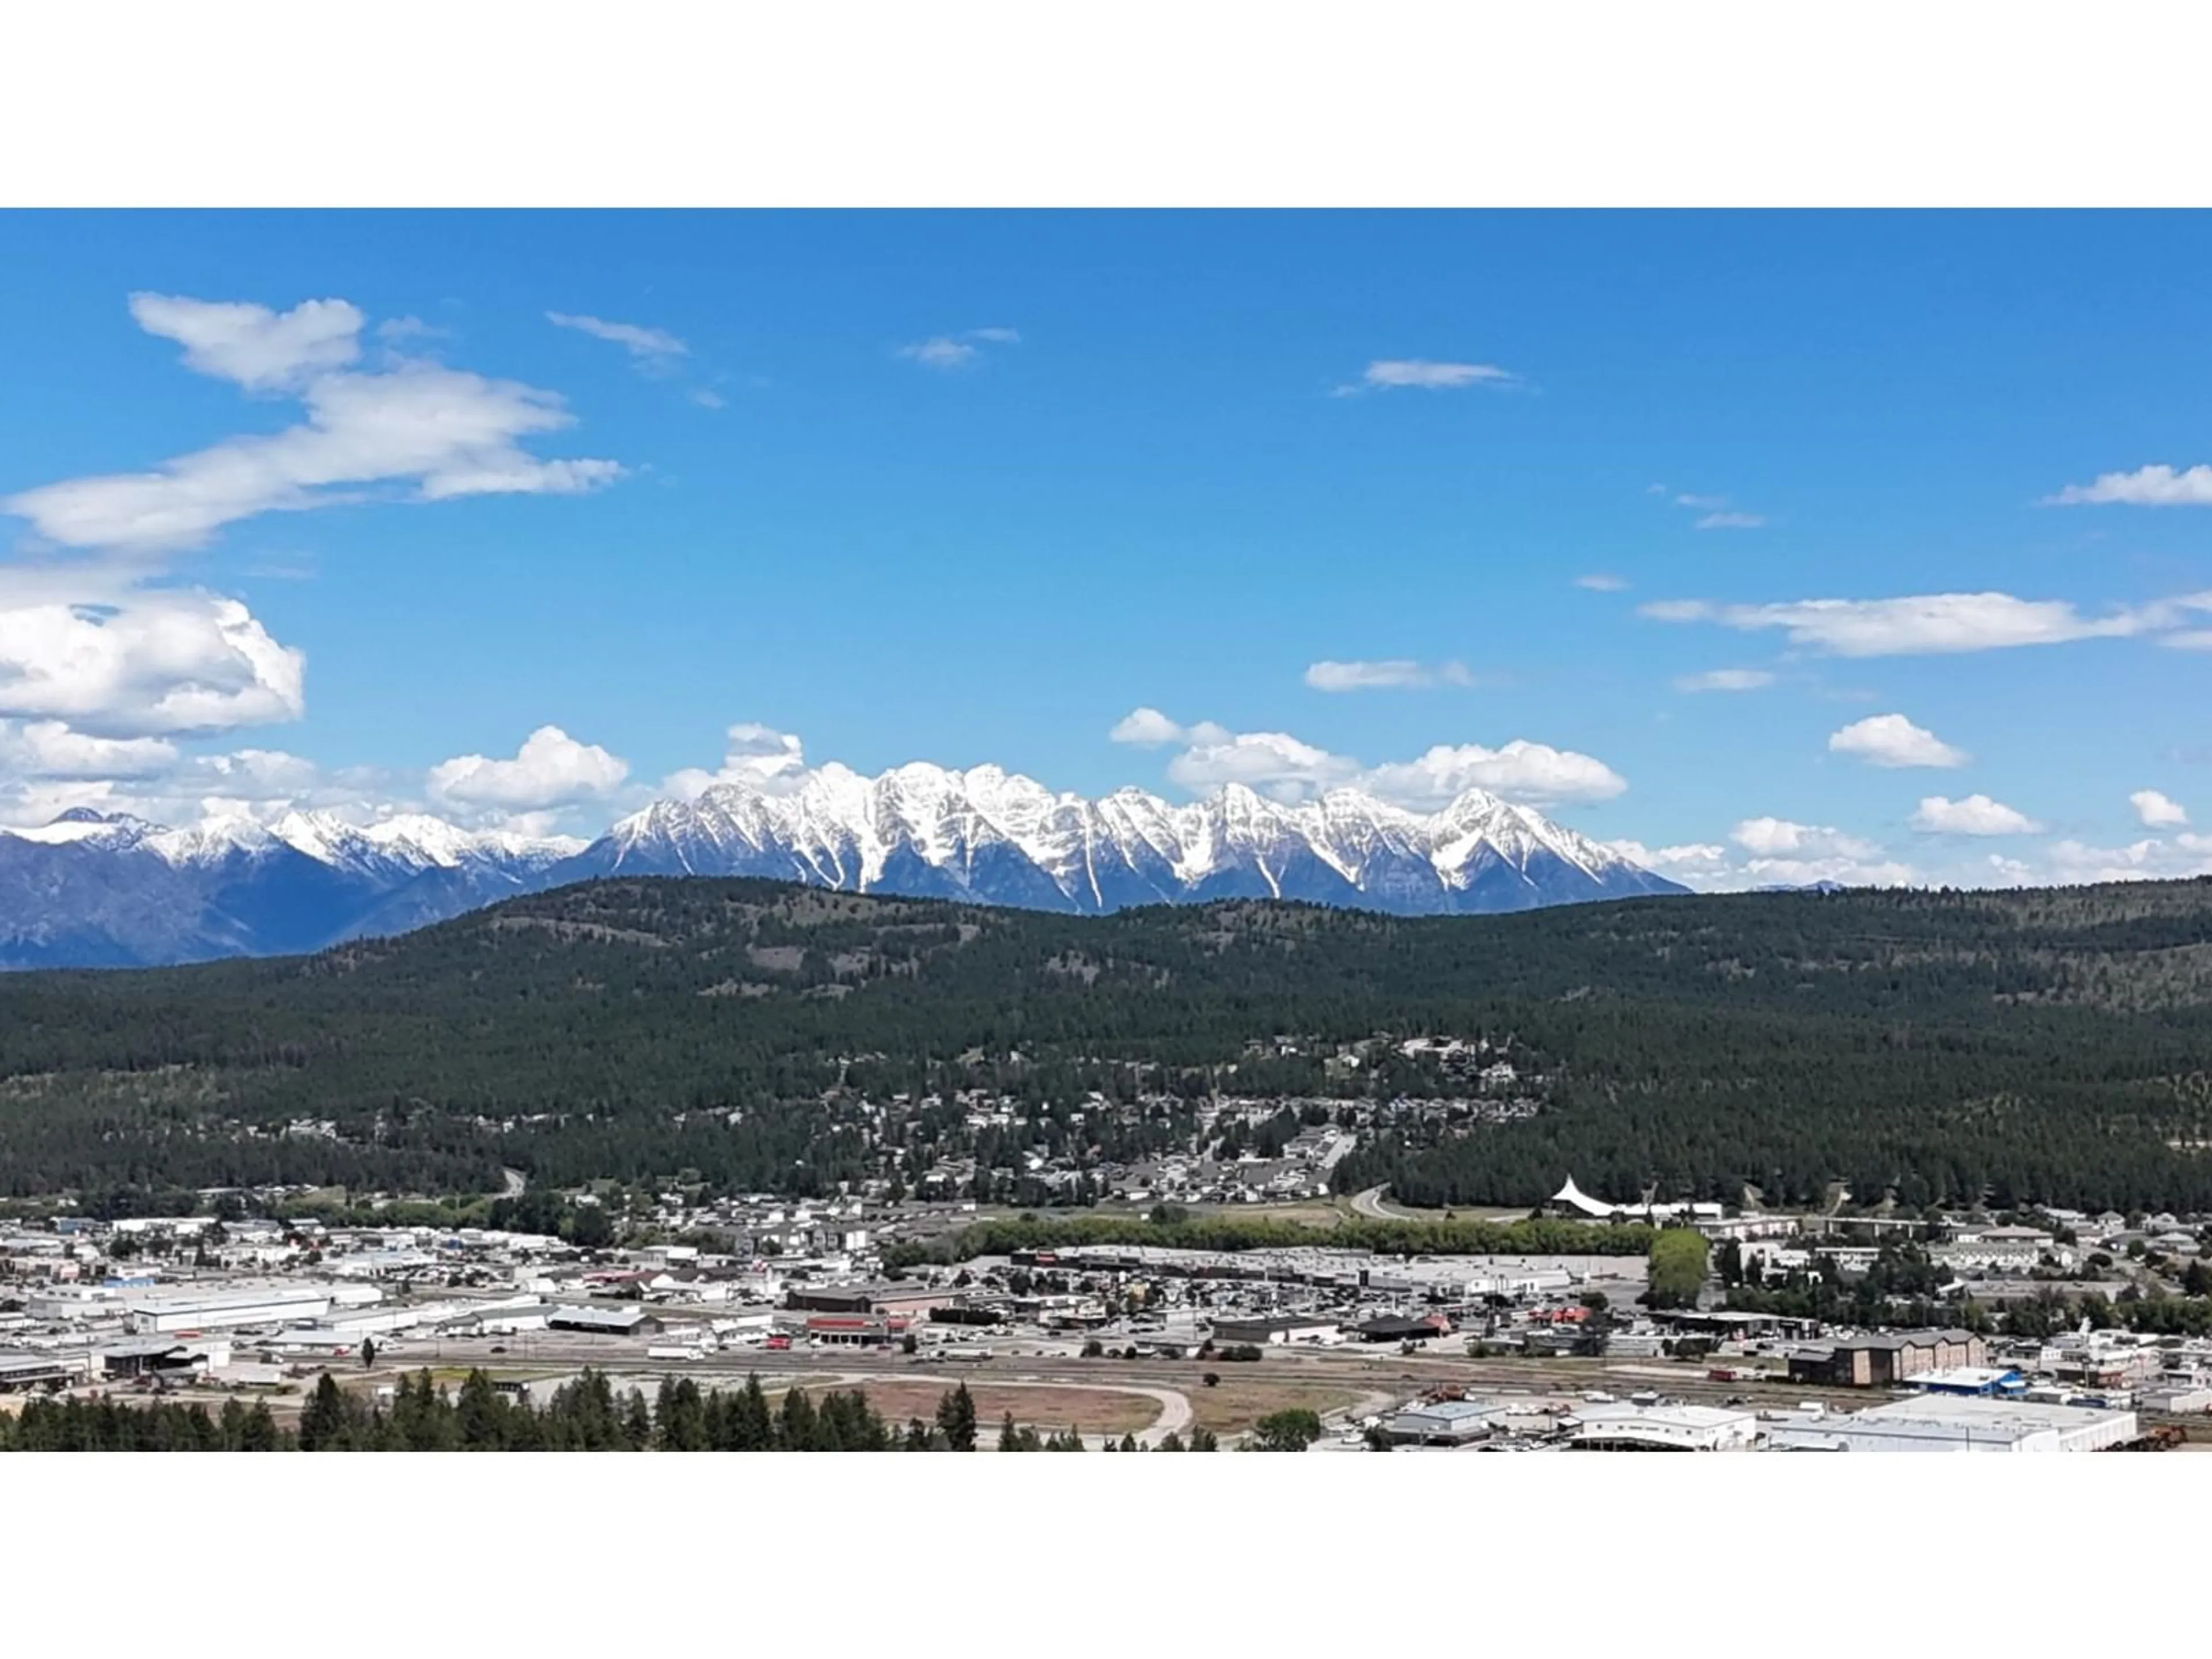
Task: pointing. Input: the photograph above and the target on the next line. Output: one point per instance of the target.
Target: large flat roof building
(1939, 1423)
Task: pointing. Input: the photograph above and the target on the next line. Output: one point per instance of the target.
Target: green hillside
(2052, 1046)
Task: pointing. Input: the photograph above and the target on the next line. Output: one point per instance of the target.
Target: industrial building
(227, 1310)
(1937, 1423)
(1629, 1427)
(1445, 1422)
(1873, 1362)
(1260, 1332)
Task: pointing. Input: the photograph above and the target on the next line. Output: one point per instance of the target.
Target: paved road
(517, 1183)
(1370, 1205)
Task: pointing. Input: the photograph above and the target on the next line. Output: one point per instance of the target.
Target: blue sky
(973, 487)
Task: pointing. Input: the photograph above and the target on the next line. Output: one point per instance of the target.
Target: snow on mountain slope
(1001, 838)
(88, 890)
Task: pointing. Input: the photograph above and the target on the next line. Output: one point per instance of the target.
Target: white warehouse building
(213, 1310)
(1939, 1423)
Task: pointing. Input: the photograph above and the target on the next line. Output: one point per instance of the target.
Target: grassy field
(1240, 1401)
(1089, 1411)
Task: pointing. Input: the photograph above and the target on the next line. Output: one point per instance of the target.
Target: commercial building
(1662, 1428)
(1443, 1422)
(602, 1321)
(855, 1330)
(1279, 1329)
(1873, 1362)
(229, 1310)
(1934, 1423)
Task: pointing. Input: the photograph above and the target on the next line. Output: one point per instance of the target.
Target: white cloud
(49, 748)
(1894, 741)
(1533, 773)
(2147, 486)
(1273, 762)
(1780, 853)
(1146, 726)
(446, 432)
(1290, 769)
(939, 352)
(650, 348)
(1977, 815)
(1694, 862)
(1731, 521)
(1726, 679)
(957, 350)
(550, 769)
(1769, 838)
(1931, 623)
(758, 756)
(2193, 639)
(152, 662)
(1396, 672)
(2157, 811)
(2149, 859)
(1598, 582)
(1387, 373)
(261, 349)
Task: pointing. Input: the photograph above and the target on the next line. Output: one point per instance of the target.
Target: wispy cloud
(446, 432)
(1725, 679)
(1714, 511)
(1930, 624)
(1599, 582)
(1428, 374)
(1396, 673)
(653, 350)
(2147, 486)
(957, 350)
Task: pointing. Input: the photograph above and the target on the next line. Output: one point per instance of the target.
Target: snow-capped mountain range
(94, 890)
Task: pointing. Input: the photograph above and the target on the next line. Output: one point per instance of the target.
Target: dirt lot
(1090, 1411)
(1240, 1401)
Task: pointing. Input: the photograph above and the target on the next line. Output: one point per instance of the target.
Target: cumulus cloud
(1533, 773)
(2157, 811)
(1273, 762)
(261, 349)
(1146, 726)
(1389, 374)
(1695, 863)
(49, 748)
(1725, 679)
(1894, 741)
(150, 662)
(651, 349)
(2147, 486)
(1599, 582)
(1977, 815)
(550, 769)
(1393, 673)
(957, 350)
(2149, 859)
(1771, 836)
(1772, 852)
(1931, 623)
(446, 432)
(756, 755)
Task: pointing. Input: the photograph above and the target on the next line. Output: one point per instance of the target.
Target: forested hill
(2049, 1045)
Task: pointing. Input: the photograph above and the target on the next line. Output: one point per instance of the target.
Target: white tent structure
(1574, 1198)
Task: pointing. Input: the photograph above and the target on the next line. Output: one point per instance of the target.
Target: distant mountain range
(94, 890)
